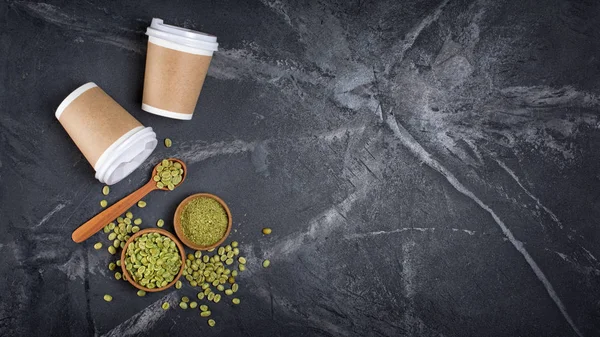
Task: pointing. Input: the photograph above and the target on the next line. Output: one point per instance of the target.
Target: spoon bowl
(174, 160)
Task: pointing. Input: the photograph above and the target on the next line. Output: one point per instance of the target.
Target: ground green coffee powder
(204, 221)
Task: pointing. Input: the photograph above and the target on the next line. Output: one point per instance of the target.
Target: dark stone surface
(429, 168)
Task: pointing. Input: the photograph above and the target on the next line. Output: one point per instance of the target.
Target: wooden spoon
(96, 223)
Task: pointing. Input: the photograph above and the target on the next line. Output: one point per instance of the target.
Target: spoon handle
(103, 218)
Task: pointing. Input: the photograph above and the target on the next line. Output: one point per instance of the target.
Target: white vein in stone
(539, 203)
(407, 139)
(143, 320)
(50, 214)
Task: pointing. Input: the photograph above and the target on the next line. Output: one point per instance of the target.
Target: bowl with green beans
(153, 260)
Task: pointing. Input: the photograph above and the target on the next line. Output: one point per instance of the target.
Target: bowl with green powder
(202, 221)
(153, 260)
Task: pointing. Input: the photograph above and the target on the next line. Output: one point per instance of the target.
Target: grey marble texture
(429, 168)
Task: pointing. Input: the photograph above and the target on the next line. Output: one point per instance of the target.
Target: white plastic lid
(125, 155)
(182, 36)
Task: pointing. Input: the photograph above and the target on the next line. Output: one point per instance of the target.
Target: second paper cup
(176, 65)
(111, 139)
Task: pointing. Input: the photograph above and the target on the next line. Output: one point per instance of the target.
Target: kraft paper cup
(176, 65)
(111, 140)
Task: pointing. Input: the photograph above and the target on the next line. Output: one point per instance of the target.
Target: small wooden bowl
(162, 232)
(179, 230)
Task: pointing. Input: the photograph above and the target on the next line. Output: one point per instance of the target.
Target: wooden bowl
(162, 232)
(179, 230)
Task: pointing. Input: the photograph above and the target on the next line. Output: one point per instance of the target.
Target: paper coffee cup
(111, 140)
(177, 61)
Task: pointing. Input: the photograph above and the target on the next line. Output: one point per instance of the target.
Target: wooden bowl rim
(179, 230)
(162, 232)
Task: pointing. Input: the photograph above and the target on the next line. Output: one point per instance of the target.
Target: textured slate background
(429, 168)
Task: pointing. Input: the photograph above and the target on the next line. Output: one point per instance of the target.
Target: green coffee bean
(137, 221)
(120, 220)
(135, 229)
(122, 245)
(266, 231)
(118, 263)
(217, 298)
(228, 292)
(118, 275)
(193, 305)
(111, 226)
(205, 258)
(234, 244)
(236, 251)
(242, 260)
(242, 267)
(98, 245)
(266, 263)
(223, 258)
(116, 243)
(200, 296)
(211, 322)
(215, 283)
(112, 266)
(210, 296)
(205, 313)
(235, 300)
(112, 250)
(106, 229)
(105, 190)
(185, 299)
(183, 305)
(107, 298)
(220, 287)
(234, 287)
(228, 261)
(205, 286)
(160, 223)
(103, 203)
(170, 186)
(168, 142)
(234, 273)
(230, 254)
(178, 284)
(141, 204)
(221, 251)
(165, 305)
(231, 280)
(141, 293)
